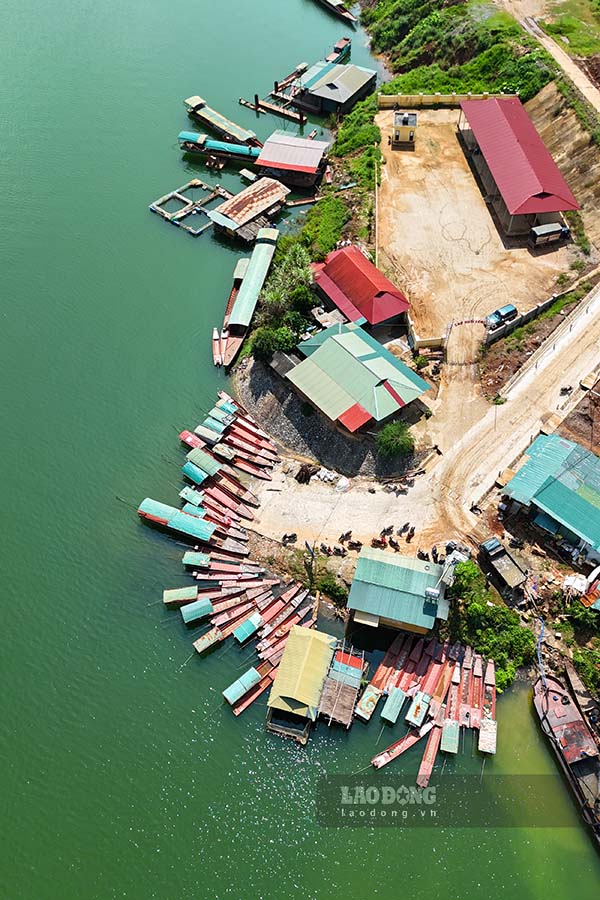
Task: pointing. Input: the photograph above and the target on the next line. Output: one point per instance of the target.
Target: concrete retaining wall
(411, 101)
(492, 336)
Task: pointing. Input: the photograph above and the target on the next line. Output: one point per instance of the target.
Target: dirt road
(439, 503)
(567, 64)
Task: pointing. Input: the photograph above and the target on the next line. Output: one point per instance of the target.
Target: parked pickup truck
(500, 560)
(501, 316)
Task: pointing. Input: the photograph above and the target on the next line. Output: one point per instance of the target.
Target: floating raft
(341, 686)
(367, 703)
(188, 207)
(198, 109)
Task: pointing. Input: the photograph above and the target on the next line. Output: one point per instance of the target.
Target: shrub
(420, 362)
(329, 586)
(324, 225)
(267, 340)
(395, 439)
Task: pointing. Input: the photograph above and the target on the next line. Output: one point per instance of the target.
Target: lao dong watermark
(378, 802)
(450, 801)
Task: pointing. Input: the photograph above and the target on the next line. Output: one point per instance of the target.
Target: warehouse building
(559, 485)
(333, 88)
(352, 379)
(521, 180)
(394, 591)
(350, 281)
(293, 160)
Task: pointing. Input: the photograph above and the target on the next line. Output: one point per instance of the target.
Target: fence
(492, 336)
(417, 343)
(388, 101)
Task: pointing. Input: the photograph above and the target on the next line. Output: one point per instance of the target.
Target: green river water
(122, 776)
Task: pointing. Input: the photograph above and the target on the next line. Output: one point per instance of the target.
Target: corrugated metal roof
(288, 151)
(393, 705)
(248, 627)
(393, 587)
(525, 173)
(301, 674)
(252, 201)
(196, 559)
(349, 368)
(243, 684)
(562, 479)
(200, 609)
(176, 595)
(258, 267)
(355, 417)
(205, 462)
(198, 106)
(358, 288)
(340, 82)
(190, 525)
(193, 472)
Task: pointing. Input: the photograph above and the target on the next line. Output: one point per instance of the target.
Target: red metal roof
(354, 417)
(287, 151)
(394, 393)
(358, 288)
(526, 175)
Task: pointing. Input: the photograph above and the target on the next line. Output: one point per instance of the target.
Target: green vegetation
(578, 234)
(336, 592)
(324, 225)
(575, 26)
(395, 439)
(515, 340)
(587, 663)
(420, 362)
(489, 627)
(464, 46)
(586, 114)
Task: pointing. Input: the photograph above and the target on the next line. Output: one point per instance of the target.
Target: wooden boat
(450, 726)
(407, 678)
(588, 707)
(477, 692)
(466, 690)
(190, 439)
(238, 429)
(386, 666)
(488, 729)
(573, 745)
(341, 50)
(238, 276)
(439, 695)
(399, 747)
(431, 750)
(216, 348)
(338, 9)
(396, 673)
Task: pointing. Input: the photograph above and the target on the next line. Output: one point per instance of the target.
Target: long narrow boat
(466, 690)
(573, 746)
(431, 750)
(439, 695)
(192, 440)
(477, 692)
(387, 665)
(399, 747)
(450, 727)
(488, 729)
(338, 9)
(393, 673)
(216, 348)
(407, 680)
(239, 273)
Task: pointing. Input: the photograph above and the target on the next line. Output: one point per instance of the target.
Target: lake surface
(122, 773)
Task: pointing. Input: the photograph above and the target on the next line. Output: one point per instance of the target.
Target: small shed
(404, 130)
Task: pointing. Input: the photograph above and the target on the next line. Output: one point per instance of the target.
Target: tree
(267, 340)
(395, 439)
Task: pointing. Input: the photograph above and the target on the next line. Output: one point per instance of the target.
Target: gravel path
(303, 431)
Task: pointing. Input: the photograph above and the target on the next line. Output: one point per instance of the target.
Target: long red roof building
(357, 287)
(525, 174)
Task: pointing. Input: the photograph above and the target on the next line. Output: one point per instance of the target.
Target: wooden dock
(277, 110)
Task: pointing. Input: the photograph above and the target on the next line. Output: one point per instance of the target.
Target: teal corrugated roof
(393, 705)
(190, 495)
(190, 525)
(205, 462)
(243, 684)
(393, 587)
(249, 627)
(193, 612)
(193, 472)
(345, 365)
(196, 559)
(245, 304)
(562, 479)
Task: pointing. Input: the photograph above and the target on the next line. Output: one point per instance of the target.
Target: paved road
(439, 503)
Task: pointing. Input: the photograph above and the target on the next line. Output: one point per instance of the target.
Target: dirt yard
(583, 424)
(437, 239)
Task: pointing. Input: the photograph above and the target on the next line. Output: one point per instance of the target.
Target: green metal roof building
(352, 379)
(397, 592)
(560, 482)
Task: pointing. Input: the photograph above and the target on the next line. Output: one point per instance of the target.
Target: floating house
(350, 281)
(327, 88)
(352, 379)
(198, 109)
(293, 160)
(252, 209)
(397, 592)
(293, 703)
(238, 320)
(521, 180)
(559, 485)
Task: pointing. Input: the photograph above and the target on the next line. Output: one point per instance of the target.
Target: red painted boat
(465, 693)
(477, 695)
(219, 496)
(399, 747)
(408, 678)
(443, 686)
(431, 751)
(216, 348)
(254, 693)
(190, 439)
(387, 664)
(245, 434)
(241, 444)
(396, 673)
